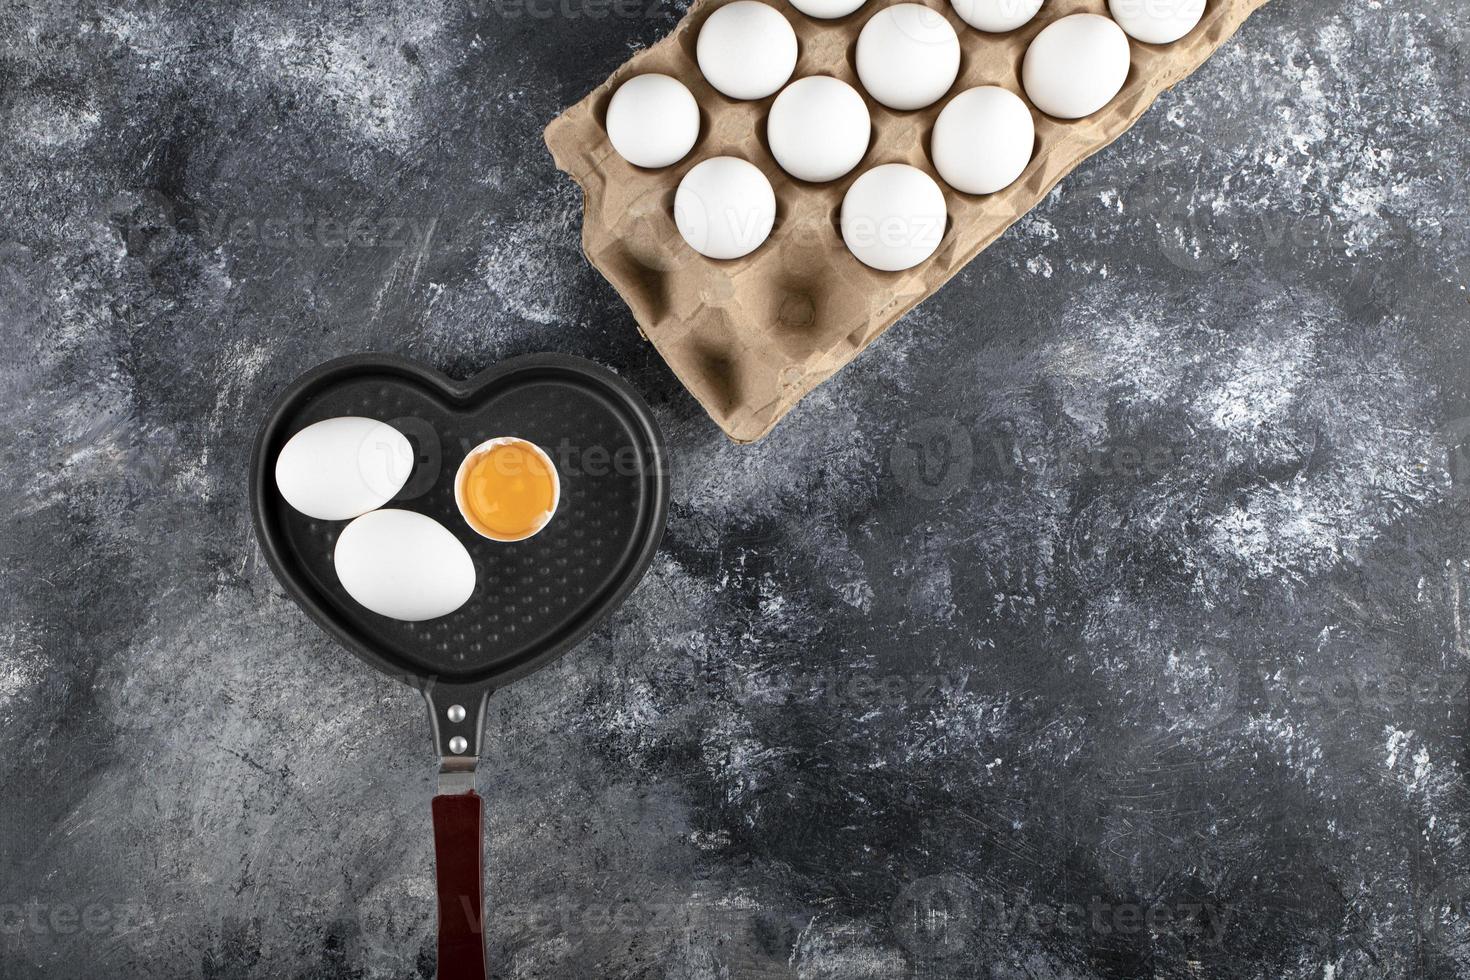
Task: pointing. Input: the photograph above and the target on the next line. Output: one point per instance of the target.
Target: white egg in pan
(340, 468)
(404, 565)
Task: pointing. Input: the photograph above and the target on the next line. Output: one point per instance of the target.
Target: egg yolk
(509, 491)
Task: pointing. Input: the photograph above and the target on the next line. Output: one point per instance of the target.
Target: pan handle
(459, 867)
(457, 716)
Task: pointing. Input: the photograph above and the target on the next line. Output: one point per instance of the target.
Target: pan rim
(461, 392)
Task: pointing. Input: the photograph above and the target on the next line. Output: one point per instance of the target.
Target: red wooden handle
(458, 863)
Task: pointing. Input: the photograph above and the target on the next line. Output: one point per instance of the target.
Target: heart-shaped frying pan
(533, 599)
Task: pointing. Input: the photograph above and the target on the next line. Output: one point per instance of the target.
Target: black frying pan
(533, 599)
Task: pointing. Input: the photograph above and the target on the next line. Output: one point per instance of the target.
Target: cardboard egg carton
(749, 337)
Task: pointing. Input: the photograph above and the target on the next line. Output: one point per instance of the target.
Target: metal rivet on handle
(457, 745)
(456, 713)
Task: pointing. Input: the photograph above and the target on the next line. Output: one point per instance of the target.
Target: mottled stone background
(1107, 618)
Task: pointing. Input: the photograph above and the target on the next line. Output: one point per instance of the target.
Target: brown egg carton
(749, 337)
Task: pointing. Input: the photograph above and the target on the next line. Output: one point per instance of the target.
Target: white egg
(1075, 65)
(996, 16)
(818, 128)
(907, 56)
(1157, 21)
(746, 50)
(827, 9)
(336, 469)
(652, 120)
(724, 208)
(982, 140)
(404, 565)
(893, 217)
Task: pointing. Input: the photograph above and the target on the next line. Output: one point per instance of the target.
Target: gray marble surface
(1107, 618)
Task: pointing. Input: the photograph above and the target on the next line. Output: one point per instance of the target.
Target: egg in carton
(749, 336)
